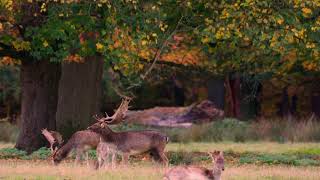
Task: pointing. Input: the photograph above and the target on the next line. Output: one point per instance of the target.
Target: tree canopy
(252, 36)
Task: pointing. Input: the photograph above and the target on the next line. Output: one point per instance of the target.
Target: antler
(119, 114)
(48, 136)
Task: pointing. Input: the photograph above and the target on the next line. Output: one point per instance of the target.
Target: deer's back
(140, 140)
(188, 173)
(86, 138)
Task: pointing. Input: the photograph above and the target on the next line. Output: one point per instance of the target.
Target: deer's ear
(221, 153)
(211, 154)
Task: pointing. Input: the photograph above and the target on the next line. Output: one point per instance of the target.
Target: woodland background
(63, 61)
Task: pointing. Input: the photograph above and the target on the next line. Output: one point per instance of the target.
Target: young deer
(81, 141)
(198, 173)
(127, 143)
(54, 138)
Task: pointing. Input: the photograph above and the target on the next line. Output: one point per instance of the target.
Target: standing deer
(198, 173)
(129, 142)
(81, 141)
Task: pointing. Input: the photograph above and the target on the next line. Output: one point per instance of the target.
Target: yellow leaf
(140, 66)
(205, 40)
(45, 43)
(99, 46)
(306, 12)
(280, 21)
(144, 42)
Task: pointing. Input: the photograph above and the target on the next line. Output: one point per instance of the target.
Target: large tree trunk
(216, 91)
(39, 82)
(79, 95)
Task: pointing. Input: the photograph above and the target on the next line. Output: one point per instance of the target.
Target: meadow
(250, 160)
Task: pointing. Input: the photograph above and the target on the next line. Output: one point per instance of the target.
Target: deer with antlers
(198, 173)
(129, 142)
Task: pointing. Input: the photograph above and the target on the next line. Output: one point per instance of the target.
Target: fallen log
(202, 112)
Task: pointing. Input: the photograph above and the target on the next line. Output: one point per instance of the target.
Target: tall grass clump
(240, 131)
(282, 131)
(9, 132)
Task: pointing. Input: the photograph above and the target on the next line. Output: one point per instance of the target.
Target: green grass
(259, 147)
(258, 160)
(262, 153)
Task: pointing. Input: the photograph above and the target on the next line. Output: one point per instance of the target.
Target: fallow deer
(129, 142)
(81, 142)
(198, 173)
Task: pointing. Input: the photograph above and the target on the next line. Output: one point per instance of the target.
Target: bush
(42, 153)
(7, 153)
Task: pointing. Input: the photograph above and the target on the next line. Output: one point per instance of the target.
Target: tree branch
(159, 51)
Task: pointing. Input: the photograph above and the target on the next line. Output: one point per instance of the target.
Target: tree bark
(79, 95)
(216, 91)
(233, 92)
(235, 87)
(39, 82)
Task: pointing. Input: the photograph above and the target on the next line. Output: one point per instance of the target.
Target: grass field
(146, 170)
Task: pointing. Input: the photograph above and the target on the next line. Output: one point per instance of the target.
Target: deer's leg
(113, 160)
(100, 158)
(164, 159)
(125, 158)
(158, 155)
(87, 158)
(100, 162)
(79, 153)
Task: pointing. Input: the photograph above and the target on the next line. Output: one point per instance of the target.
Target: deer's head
(217, 160)
(117, 117)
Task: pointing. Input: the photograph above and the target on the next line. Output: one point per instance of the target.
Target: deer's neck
(108, 135)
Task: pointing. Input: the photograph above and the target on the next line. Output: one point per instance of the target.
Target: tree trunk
(234, 93)
(39, 84)
(216, 91)
(79, 95)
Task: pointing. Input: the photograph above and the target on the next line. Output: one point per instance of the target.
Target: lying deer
(127, 143)
(198, 173)
(81, 142)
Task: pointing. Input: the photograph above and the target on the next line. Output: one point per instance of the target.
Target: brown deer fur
(198, 173)
(81, 141)
(132, 142)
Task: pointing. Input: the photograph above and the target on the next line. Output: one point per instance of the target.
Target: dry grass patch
(271, 172)
(13, 169)
(6, 145)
